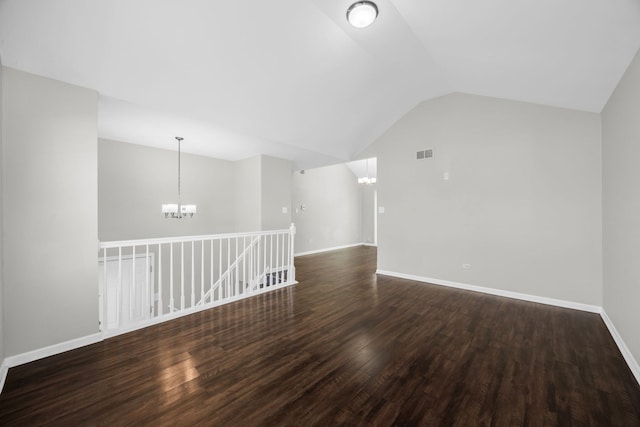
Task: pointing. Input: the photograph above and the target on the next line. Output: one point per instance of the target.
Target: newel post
(292, 268)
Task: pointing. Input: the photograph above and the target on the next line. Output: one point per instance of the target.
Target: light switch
(381, 209)
(285, 209)
(446, 176)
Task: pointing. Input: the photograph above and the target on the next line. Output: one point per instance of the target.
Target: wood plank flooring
(343, 347)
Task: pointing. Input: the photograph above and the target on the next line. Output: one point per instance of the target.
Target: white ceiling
(291, 78)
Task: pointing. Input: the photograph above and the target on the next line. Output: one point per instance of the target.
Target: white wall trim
(317, 251)
(497, 292)
(41, 353)
(370, 244)
(51, 350)
(4, 369)
(626, 353)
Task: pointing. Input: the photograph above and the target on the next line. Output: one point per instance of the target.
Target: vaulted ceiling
(292, 78)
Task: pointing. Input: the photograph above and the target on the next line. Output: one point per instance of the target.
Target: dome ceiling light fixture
(361, 14)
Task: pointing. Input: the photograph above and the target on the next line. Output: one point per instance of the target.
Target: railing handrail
(161, 240)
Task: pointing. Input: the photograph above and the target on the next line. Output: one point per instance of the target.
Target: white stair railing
(143, 282)
(233, 268)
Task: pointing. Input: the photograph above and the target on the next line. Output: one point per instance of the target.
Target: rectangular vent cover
(424, 154)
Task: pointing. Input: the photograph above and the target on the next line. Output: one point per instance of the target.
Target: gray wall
(248, 194)
(134, 181)
(1, 228)
(621, 207)
(276, 180)
(368, 213)
(332, 199)
(50, 211)
(522, 205)
(262, 189)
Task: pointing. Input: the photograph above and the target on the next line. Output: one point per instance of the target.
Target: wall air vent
(424, 154)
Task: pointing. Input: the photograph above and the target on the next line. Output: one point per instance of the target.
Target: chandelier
(366, 179)
(178, 210)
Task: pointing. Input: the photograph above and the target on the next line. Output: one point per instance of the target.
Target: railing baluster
(277, 255)
(193, 276)
(147, 292)
(119, 309)
(288, 257)
(283, 262)
(280, 260)
(292, 242)
(132, 288)
(237, 276)
(251, 268)
(244, 264)
(160, 308)
(228, 284)
(219, 269)
(171, 299)
(211, 272)
(181, 275)
(271, 259)
(247, 287)
(105, 297)
(202, 270)
(260, 270)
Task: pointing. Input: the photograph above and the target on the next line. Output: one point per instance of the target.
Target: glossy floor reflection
(343, 347)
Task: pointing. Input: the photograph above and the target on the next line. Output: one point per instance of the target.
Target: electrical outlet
(466, 266)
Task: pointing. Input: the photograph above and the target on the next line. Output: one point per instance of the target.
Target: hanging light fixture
(362, 14)
(178, 210)
(366, 180)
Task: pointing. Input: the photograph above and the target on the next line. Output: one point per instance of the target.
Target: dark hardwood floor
(343, 347)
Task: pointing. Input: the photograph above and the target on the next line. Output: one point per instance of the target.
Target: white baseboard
(626, 353)
(370, 244)
(628, 357)
(51, 350)
(497, 292)
(317, 251)
(4, 369)
(40, 353)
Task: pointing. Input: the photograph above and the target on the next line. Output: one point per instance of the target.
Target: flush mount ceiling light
(362, 14)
